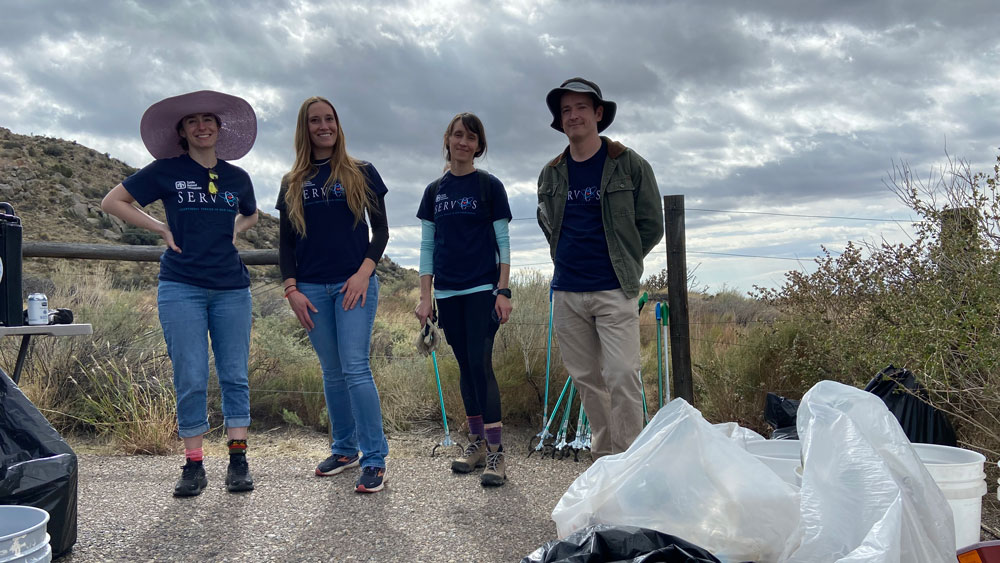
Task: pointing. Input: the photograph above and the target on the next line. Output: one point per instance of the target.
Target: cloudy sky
(754, 111)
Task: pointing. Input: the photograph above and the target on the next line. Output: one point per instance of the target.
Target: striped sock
(476, 425)
(196, 454)
(493, 436)
(237, 447)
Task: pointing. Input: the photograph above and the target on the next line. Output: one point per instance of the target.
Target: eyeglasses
(212, 177)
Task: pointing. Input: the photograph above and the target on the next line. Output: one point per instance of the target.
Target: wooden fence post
(677, 297)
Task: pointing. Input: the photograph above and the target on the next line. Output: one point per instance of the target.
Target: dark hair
(180, 127)
(473, 125)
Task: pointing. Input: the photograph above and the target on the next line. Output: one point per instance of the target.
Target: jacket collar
(615, 149)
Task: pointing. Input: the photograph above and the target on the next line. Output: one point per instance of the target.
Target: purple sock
(493, 435)
(476, 425)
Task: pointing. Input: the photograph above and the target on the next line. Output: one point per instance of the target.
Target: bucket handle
(8, 208)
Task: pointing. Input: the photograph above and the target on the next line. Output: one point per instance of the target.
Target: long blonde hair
(343, 168)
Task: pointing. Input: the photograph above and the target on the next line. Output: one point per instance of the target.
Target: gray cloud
(765, 106)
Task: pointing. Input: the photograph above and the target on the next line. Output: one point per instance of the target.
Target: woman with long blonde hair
(328, 265)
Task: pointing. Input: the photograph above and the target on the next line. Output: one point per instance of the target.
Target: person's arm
(503, 306)
(243, 223)
(424, 308)
(356, 286)
(120, 203)
(297, 300)
(648, 205)
(544, 221)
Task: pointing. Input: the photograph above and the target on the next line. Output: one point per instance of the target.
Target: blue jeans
(188, 315)
(342, 340)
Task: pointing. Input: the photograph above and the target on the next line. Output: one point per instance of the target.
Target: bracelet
(289, 290)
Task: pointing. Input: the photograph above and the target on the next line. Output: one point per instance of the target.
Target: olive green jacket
(630, 208)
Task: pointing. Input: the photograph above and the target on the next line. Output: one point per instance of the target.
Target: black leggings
(470, 324)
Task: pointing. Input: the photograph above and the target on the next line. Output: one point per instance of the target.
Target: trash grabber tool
(564, 425)
(548, 423)
(642, 386)
(544, 433)
(659, 353)
(446, 442)
(666, 353)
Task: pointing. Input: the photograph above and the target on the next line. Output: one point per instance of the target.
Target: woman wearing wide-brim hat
(204, 287)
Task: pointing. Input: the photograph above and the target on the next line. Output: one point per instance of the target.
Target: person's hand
(168, 238)
(301, 306)
(355, 288)
(423, 311)
(503, 308)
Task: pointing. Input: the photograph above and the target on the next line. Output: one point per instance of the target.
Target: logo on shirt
(440, 198)
(466, 203)
(186, 185)
(592, 193)
(231, 199)
(338, 190)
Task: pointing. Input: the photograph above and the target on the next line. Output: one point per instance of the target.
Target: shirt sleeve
(248, 201)
(380, 228)
(426, 209)
(502, 229)
(501, 207)
(143, 185)
(427, 230)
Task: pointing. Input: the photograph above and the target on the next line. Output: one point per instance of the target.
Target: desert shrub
(139, 236)
(929, 305)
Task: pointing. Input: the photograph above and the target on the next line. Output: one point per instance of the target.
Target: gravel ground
(425, 513)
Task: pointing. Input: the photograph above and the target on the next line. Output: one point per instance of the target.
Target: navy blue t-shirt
(582, 260)
(200, 222)
(333, 248)
(465, 244)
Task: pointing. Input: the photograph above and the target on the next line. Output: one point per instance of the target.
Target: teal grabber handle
(659, 352)
(444, 416)
(548, 368)
(555, 409)
(564, 425)
(666, 352)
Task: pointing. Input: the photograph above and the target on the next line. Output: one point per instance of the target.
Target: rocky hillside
(56, 188)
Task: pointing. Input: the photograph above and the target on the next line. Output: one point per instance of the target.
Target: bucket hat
(237, 127)
(587, 87)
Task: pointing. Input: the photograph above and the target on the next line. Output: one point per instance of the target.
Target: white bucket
(960, 476)
(782, 456)
(22, 533)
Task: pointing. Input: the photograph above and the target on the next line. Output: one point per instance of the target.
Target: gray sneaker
(473, 458)
(496, 469)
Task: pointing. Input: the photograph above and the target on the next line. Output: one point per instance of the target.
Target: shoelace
(493, 459)
(472, 448)
(373, 471)
(189, 471)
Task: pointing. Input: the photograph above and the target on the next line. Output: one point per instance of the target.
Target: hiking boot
(372, 480)
(495, 473)
(473, 458)
(238, 478)
(192, 481)
(336, 463)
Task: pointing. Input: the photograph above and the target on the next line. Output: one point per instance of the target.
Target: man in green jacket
(600, 210)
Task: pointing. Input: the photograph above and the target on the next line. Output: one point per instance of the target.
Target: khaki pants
(599, 340)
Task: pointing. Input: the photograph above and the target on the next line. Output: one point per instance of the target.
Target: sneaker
(192, 481)
(495, 473)
(473, 458)
(238, 478)
(337, 463)
(372, 480)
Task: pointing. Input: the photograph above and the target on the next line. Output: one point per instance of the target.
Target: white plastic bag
(738, 433)
(866, 496)
(683, 477)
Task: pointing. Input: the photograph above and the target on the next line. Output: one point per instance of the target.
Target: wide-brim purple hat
(237, 130)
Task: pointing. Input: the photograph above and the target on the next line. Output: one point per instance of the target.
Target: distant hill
(56, 187)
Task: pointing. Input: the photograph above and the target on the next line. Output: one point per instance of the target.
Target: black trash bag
(780, 413)
(907, 401)
(37, 467)
(603, 543)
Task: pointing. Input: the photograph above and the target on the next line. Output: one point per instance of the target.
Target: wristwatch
(505, 292)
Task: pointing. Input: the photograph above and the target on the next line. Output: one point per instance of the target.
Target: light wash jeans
(189, 315)
(342, 340)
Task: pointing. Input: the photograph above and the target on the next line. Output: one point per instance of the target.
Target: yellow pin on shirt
(212, 177)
